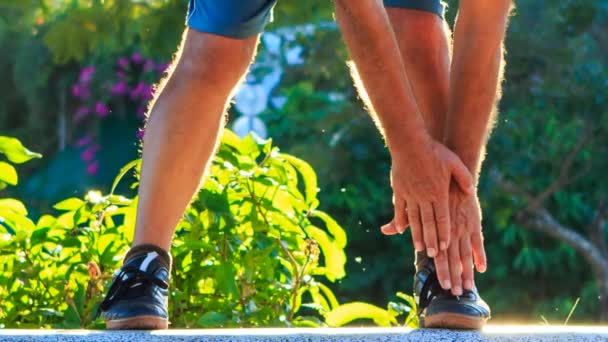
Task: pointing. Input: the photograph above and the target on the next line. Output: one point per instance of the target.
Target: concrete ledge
(490, 333)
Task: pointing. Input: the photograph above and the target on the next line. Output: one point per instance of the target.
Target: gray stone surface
(490, 333)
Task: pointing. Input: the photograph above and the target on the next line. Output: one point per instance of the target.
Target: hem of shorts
(432, 9)
(235, 34)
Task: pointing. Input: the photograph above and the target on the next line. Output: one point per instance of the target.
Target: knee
(421, 29)
(211, 58)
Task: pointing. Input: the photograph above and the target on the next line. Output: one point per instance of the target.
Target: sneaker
(438, 308)
(137, 298)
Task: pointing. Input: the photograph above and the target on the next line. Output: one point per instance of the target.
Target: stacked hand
(433, 192)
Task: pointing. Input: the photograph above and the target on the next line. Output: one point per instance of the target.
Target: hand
(455, 266)
(421, 180)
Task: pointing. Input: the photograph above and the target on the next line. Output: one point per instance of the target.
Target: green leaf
(39, 235)
(347, 313)
(333, 255)
(226, 278)
(250, 146)
(333, 227)
(119, 200)
(328, 293)
(15, 151)
(69, 204)
(308, 175)
(8, 174)
(14, 205)
(212, 319)
(307, 322)
(46, 221)
(229, 138)
(123, 171)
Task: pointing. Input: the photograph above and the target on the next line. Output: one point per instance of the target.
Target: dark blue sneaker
(137, 298)
(438, 308)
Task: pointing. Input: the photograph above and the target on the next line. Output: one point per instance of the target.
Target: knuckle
(442, 218)
(428, 222)
(440, 258)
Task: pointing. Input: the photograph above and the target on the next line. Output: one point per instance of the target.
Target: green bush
(252, 249)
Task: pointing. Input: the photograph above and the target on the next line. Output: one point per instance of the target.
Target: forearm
(384, 85)
(475, 77)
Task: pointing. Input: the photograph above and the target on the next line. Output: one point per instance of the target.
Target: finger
(400, 216)
(455, 268)
(442, 218)
(443, 270)
(466, 259)
(462, 175)
(389, 228)
(479, 251)
(429, 229)
(413, 215)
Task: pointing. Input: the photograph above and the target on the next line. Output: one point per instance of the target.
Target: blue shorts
(245, 18)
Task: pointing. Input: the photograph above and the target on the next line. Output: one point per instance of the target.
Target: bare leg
(423, 40)
(183, 128)
(424, 43)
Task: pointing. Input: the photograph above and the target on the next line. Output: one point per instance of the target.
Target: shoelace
(429, 290)
(126, 277)
(432, 289)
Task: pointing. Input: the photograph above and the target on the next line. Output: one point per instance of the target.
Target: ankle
(138, 250)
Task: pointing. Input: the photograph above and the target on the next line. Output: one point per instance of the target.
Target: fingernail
(457, 291)
(431, 252)
(401, 230)
(443, 246)
(447, 284)
(419, 247)
(468, 284)
(482, 268)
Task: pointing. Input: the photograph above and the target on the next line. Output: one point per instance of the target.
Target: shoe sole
(454, 321)
(138, 323)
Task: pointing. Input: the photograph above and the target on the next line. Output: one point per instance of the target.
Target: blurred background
(77, 75)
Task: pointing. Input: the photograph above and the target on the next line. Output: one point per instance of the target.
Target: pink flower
(86, 140)
(89, 153)
(140, 133)
(147, 92)
(138, 90)
(86, 74)
(93, 168)
(81, 113)
(101, 109)
(123, 62)
(162, 67)
(149, 65)
(136, 58)
(80, 91)
(141, 112)
(119, 88)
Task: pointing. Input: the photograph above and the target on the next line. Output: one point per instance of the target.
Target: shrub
(252, 249)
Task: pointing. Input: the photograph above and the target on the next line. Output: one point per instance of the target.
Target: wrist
(469, 154)
(407, 142)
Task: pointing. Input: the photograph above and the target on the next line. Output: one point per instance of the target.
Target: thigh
(230, 18)
(433, 6)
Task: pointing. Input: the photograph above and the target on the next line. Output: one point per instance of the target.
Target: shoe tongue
(146, 261)
(423, 262)
(148, 254)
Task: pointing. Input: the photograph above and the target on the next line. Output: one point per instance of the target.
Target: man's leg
(181, 136)
(182, 132)
(183, 127)
(424, 42)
